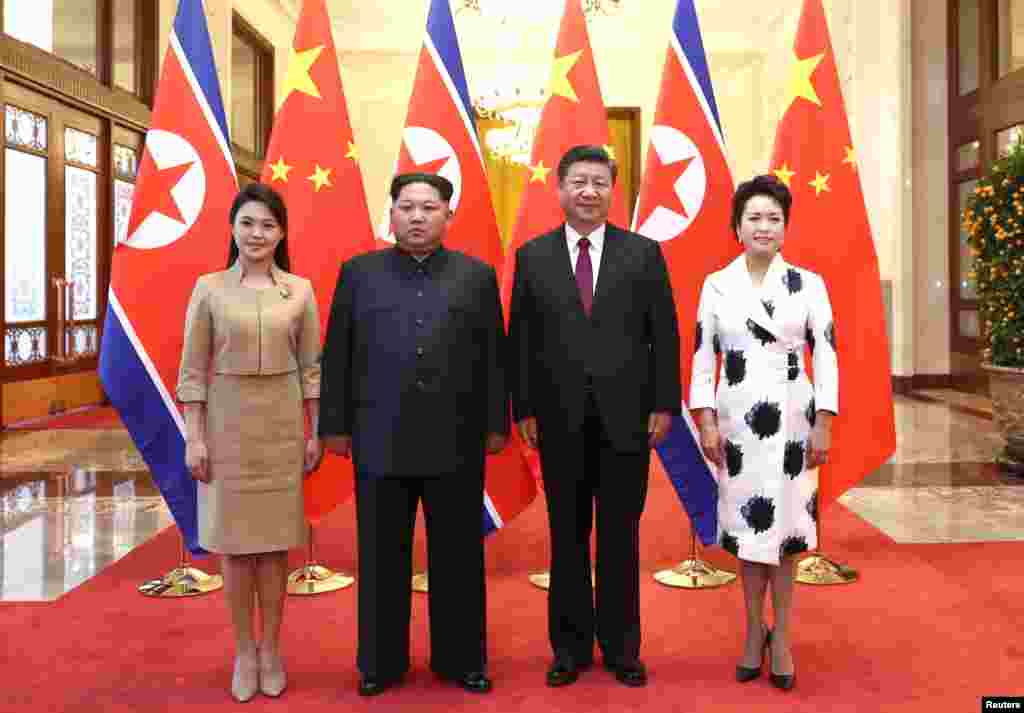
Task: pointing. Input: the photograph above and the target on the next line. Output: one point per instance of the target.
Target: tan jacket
(231, 329)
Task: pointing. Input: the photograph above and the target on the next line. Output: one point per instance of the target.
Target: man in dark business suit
(595, 382)
(413, 388)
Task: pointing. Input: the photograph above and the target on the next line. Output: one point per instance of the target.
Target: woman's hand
(820, 441)
(197, 460)
(710, 440)
(313, 455)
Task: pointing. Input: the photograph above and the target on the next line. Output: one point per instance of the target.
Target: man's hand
(658, 424)
(495, 442)
(528, 431)
(339, 445)
(198, 460)
(313, 455)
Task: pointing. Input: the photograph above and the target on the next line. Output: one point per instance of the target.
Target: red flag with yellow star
(573, 114)
(829, 233)
(313, 162)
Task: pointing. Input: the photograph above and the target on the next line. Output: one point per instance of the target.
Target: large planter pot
(1006, 386)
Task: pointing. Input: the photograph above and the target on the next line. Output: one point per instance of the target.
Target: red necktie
(585, 275)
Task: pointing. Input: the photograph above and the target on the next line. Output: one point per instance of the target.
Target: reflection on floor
(73, 501)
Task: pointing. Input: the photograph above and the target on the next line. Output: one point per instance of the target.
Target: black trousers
(386, 514)
(580, 470)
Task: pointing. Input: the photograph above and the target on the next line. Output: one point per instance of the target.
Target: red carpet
(928, 628)
(86, 418)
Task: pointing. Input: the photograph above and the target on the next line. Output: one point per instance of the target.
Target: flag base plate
(317, 579)
(542, 580)
(182, 581)
(420, 583)
(818, 569)
(694, 574)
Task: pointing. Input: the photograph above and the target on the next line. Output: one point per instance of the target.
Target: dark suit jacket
(413, 364)
(629, 346)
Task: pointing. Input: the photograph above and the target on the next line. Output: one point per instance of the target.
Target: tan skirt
(255, 439)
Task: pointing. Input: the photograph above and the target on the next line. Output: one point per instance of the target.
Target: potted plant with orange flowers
(994, 223)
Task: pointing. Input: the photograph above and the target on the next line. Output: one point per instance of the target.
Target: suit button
(419, 322)
(420, 293)
(420, 385)
(419, 351)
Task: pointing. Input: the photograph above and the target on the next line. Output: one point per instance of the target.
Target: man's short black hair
(442, 184)
(763, 185)
(588, 154)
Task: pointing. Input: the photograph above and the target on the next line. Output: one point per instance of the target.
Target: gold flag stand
(820, 569)
(313, 578)
(542, 580)
(694, 573)
(182, 581)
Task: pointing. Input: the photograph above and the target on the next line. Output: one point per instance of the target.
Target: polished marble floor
(74, 500)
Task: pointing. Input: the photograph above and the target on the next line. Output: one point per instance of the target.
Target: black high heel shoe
(782, 681)
(745, 673)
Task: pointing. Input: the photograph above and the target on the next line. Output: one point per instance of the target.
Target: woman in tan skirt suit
(249, 364)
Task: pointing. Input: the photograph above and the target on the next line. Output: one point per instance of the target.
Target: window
(101, 37)
(252, 89)
(968, 36)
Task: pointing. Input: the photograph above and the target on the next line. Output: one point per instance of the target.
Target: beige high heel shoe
(273, 682)
(244, 681)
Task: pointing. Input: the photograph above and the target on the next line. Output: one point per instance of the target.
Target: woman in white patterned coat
(766, 427)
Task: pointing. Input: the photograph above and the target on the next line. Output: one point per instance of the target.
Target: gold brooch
(285, 292)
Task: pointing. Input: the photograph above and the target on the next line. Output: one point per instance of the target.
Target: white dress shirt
(596, 239)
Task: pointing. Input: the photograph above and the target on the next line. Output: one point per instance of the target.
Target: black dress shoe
(475, 682)
(629, 673)
(373, 686)
(782, 681)
(746, 673)
(564, 671)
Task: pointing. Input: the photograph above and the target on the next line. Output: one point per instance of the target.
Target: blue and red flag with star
(685, 203)
(313, 162)
(440, 136)
(178, 230)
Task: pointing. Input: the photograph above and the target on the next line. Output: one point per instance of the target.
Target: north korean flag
(178, 229)
(686, 203)
(440, 137)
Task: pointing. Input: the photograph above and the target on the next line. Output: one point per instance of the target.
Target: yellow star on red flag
(321, 177)
(560, 84)
(280, 170)
(851, 158)
(785, 175)
(539, 173)
(820, 183)
(353, 152)
(298, 78)
(800, 84)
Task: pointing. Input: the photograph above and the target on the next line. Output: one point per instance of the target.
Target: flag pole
(182, 581)
(314, 578)
(819, 568)
(694, 573)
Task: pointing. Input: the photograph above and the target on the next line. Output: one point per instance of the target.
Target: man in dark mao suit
(413, 388)
(595, 382)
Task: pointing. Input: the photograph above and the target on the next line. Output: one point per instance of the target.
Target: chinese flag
(829, 233)
(573, 114)
(314, 163)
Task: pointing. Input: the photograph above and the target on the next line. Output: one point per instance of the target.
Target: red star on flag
(154, 194)
(663, 177)
(407, 165)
